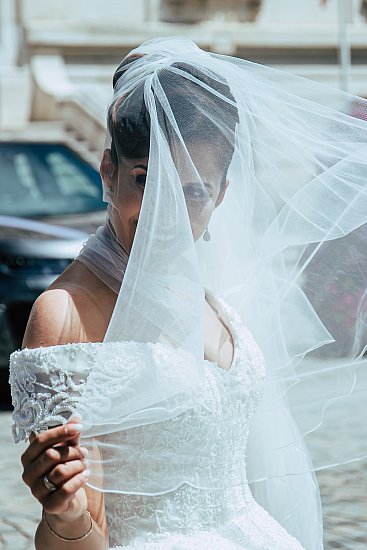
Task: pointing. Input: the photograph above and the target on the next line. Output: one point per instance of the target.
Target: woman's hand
(56, 453)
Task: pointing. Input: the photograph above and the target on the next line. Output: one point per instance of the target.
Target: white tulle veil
(287, 251)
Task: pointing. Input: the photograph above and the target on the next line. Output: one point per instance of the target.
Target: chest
(219, 346)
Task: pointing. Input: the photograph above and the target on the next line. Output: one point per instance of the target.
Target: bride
(156, 380)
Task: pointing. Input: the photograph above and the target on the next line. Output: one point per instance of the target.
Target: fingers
(59, 475)
(50, 458)
(75, 421)
(58, 501)
(72, 420)
(64, 472)
(56, 453)
(39, 443)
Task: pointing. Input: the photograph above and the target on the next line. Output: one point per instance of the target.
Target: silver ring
(48, 484)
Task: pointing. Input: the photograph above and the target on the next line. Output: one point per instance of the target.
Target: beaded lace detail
(44, 390)
(45, 385)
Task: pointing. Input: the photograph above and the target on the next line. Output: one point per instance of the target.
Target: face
(127, 182)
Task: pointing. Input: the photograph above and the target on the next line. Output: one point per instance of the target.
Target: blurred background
(56, 65)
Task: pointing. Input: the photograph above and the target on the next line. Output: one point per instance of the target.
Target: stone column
(15, 84)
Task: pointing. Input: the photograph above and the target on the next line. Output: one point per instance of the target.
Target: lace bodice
(45, 385)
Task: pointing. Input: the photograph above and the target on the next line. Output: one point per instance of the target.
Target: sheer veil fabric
(287, 251)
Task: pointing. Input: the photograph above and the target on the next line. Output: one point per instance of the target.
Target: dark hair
(192, 105)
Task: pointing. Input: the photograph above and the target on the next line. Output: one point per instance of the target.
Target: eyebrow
(207, 184)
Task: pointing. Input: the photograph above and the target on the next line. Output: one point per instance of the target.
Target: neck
(105, 256)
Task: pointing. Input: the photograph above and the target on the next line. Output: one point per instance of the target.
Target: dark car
(50, 201)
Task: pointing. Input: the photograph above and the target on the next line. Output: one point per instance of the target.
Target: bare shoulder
(55, 319)
(76, 308)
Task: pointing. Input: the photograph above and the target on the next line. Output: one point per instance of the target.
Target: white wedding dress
(46, 383)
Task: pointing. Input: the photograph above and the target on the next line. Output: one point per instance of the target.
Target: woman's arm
(55, 319)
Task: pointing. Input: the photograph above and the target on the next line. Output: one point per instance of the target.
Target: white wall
(82, 12)
(15, 97)
(306, 11)
(8, 33)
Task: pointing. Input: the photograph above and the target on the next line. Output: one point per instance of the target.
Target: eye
(141, 179)
(139, 172)
(196, 192)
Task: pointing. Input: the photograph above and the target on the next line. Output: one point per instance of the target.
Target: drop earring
(206, 236)
(109, 193)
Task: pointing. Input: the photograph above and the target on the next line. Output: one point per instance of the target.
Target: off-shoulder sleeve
(128, 383)
(45, 385)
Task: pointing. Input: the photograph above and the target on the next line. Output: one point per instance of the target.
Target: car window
(46, 179)
(69, 177)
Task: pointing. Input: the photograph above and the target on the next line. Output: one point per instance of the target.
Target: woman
(164, 374)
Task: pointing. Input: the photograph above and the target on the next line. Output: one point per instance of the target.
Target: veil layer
(287, 251)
